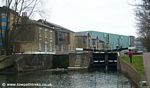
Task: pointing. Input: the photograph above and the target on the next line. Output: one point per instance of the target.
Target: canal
(65, 79)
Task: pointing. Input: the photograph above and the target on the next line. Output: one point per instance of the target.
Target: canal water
(65, 79)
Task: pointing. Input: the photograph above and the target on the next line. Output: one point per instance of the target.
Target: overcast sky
(112, 16)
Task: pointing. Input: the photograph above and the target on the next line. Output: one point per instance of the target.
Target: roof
(97, 34)
(81, 34)
(104, 33)
(106, 37)
(57, 27)
(86, 33)
(41, 24)
(28, 21)
(4, 9)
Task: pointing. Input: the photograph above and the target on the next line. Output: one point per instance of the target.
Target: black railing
(97, 50)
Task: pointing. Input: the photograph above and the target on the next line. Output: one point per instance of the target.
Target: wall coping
(129, 76)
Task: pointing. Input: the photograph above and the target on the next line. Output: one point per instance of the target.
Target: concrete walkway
(146, 60)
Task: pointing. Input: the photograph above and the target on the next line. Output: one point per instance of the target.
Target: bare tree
(143, 18)
(17, 7)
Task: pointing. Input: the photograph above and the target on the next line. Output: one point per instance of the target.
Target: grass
(137, 63)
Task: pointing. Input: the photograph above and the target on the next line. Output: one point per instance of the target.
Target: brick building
(87, 41)
(83, 40)
(32, 36)
(64, 38)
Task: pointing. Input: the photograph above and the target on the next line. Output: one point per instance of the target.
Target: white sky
(111, 16)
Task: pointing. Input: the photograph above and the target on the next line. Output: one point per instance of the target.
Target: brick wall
(29, 62)
(79, 59)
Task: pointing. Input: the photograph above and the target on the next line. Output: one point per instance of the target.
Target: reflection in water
(70, 79)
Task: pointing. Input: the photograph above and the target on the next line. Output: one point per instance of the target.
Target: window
(63, 37)
(70, 48)
(51, 41)
(40, 28)
(45, 29)
(46, 36)
(40, 46)
(51, 31)
(40, 39)
(40, 32)
(84, 41)
(50, 35)
(46, 48)
(50, 47)
(46, 42)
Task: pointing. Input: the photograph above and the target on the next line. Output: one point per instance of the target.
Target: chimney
(24, 14)
(24, 17)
